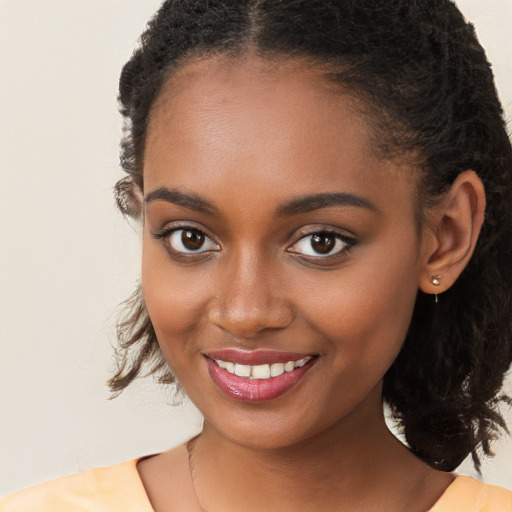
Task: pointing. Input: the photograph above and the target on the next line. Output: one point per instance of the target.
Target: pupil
(323, 243)
(192, 240)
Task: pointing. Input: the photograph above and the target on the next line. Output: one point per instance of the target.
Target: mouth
(261, 371)
(271, 375)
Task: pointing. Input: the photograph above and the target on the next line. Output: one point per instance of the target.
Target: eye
(191, 241)
(321, 244)
(187, 241)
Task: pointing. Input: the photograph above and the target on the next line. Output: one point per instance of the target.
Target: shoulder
(113, 489)
(466, 494)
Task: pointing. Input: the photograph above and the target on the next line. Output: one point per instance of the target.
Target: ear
(129, 197)
(450, 239)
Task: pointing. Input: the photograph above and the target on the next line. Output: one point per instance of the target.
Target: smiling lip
(255, 357)
(253, 390)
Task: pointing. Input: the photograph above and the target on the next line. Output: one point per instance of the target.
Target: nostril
(247, 323)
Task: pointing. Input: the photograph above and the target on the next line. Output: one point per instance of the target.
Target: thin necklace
(190, 450)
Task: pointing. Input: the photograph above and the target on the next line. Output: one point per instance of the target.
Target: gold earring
(436, 281)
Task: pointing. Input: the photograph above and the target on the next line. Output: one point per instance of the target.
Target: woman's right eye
(188, 241)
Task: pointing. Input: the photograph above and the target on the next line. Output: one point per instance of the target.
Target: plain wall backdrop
(68, 258)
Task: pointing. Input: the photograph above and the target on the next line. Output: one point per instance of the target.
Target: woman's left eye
(321, 244)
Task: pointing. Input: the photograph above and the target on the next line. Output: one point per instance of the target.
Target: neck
(332, 470)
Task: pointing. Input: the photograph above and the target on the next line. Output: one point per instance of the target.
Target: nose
(249, 299)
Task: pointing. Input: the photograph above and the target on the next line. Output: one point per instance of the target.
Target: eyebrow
(295, 206)
(185, 199)
(317, 201)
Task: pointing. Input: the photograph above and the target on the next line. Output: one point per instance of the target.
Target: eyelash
(191, 255)
(331, 257)
(186, 254)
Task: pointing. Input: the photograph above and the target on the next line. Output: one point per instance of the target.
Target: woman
(313, 180)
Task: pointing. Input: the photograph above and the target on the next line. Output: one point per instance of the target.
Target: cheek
(174, 299)
(364, 314)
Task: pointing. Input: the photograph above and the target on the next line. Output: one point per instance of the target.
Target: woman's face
(275, 237)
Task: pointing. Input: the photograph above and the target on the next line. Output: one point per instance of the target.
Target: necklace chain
(190, 450)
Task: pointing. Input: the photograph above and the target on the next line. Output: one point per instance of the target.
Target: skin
(248, 137)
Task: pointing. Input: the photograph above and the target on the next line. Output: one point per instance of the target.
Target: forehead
(214, 76)
(279, 121)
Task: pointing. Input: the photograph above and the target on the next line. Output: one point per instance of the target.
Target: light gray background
(68, 258)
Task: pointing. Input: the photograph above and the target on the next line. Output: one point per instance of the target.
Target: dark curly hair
(429, 95)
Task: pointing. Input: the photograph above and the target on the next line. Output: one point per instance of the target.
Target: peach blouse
(119, 489)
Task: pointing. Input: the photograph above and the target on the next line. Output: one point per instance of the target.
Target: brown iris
(192, 240)
(323, 243)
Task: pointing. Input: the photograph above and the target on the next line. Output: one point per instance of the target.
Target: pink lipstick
(257, 376)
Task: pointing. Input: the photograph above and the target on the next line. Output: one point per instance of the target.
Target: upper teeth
(261, 371)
